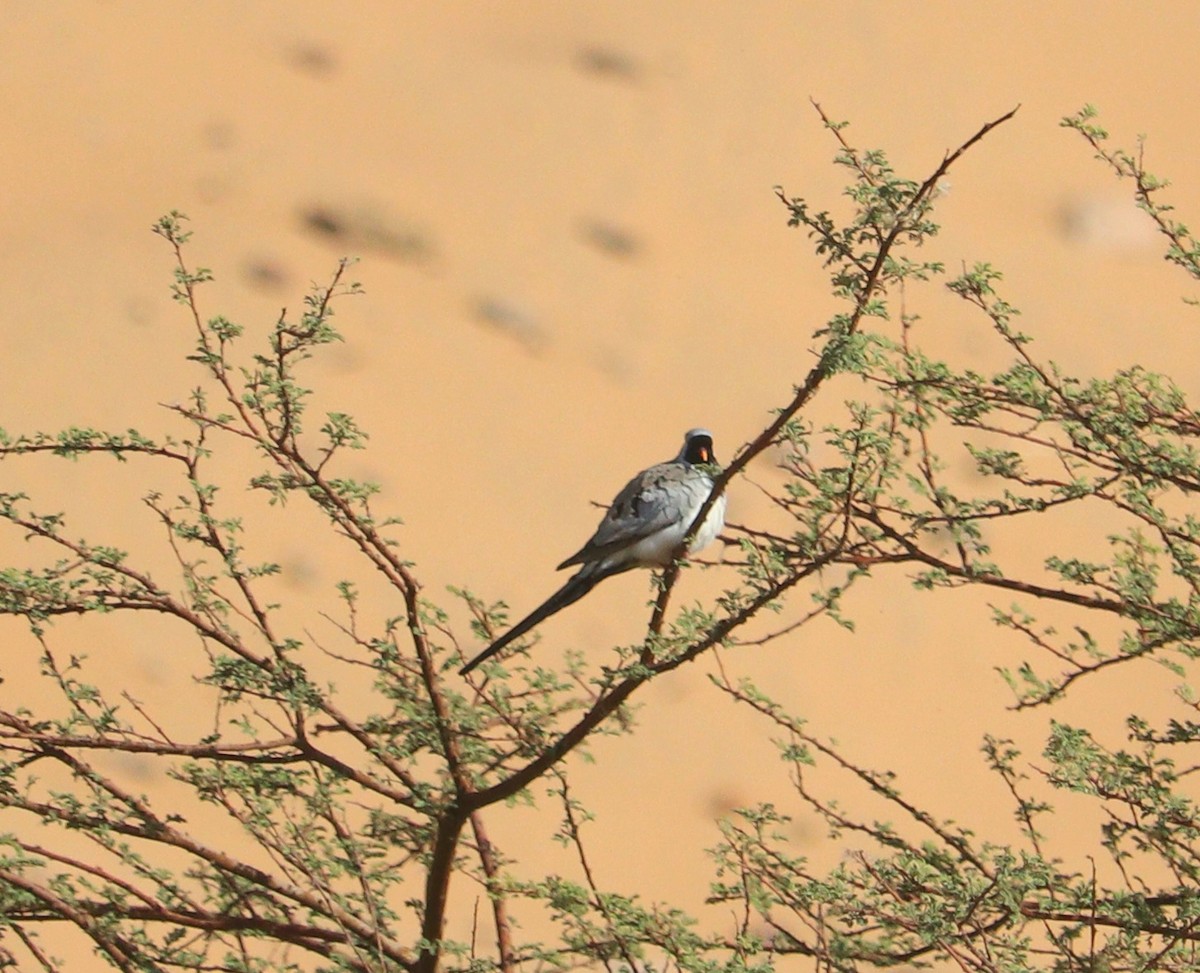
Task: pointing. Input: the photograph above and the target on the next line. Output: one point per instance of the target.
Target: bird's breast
(657, 550)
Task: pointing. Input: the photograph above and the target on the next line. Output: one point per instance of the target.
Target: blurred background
(572, 252)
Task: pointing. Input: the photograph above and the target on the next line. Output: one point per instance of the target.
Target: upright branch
(908, 209)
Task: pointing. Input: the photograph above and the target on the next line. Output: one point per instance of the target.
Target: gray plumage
(643, 528)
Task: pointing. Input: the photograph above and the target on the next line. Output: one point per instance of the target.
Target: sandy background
(572, 252)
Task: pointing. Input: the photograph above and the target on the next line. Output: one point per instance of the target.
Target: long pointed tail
(575, 588)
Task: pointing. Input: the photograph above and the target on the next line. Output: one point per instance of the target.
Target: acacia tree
(299, 833)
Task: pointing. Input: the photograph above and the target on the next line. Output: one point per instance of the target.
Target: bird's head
(697, 448)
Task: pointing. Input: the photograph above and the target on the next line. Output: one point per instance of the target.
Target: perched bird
(643, 528)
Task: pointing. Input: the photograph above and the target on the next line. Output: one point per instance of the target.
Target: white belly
(657, 550)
